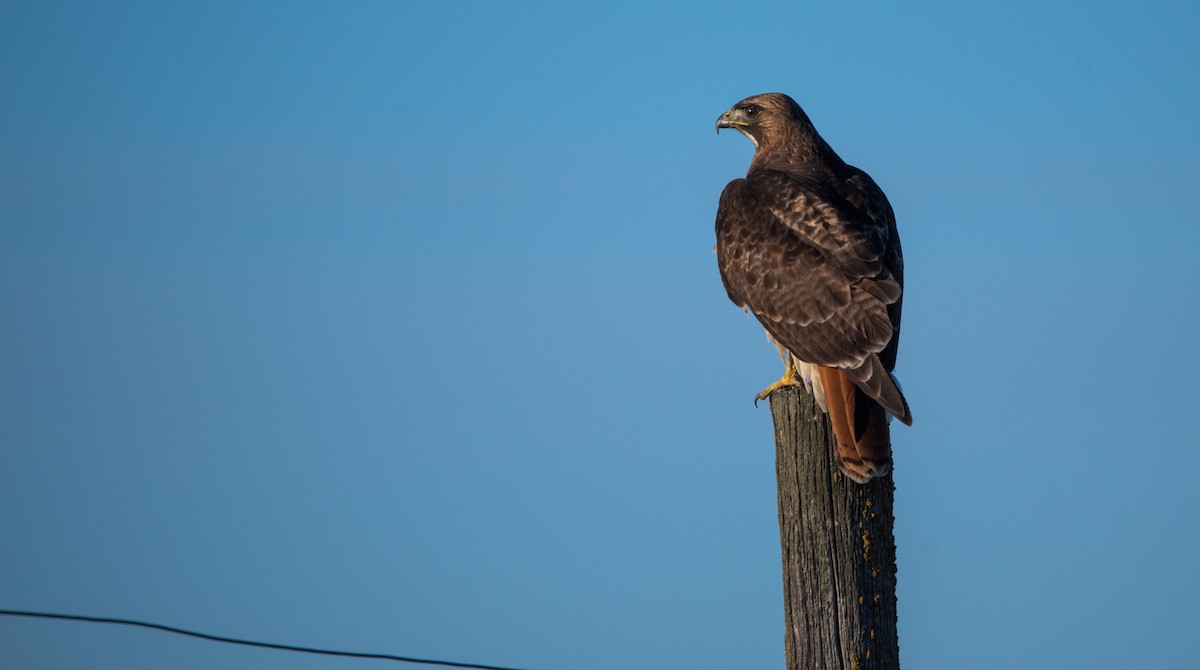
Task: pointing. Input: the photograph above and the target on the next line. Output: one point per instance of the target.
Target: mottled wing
(812, 276)
(864, 196)
(824, 218)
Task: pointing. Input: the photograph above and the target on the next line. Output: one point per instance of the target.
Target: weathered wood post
(839, 553)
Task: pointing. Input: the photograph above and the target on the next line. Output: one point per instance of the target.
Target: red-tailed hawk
(808, 245)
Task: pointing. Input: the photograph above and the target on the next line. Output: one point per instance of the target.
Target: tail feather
(860, 427)
(878, 383)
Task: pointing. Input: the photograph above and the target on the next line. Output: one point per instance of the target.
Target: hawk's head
(768, 118)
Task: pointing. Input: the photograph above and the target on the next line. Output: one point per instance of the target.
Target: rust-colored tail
(860, 426)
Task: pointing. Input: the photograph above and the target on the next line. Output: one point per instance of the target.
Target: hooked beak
(730, 119)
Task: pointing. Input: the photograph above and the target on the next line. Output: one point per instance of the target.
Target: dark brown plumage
(808, 245)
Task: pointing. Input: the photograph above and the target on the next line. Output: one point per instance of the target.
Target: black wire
(248, 643)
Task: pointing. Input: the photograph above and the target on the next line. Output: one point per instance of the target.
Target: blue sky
(395, 327)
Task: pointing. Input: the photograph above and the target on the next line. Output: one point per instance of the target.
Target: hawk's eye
(751, 110)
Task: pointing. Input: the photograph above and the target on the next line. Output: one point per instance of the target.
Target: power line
(248, 643)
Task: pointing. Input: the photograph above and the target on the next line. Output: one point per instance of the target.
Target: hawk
(808, 245)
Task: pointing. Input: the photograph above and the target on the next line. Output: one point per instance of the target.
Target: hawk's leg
(789, 378)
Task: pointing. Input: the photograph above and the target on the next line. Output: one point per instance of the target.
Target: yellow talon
(789, 378)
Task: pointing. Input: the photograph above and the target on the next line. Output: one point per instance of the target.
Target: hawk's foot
(789, 378)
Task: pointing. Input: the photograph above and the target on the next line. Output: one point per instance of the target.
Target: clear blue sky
(396, 327)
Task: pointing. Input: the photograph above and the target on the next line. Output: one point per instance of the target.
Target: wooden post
(839, 554)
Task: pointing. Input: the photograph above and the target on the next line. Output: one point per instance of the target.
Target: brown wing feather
(816, 286)
(825, 218)
(864, 195)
